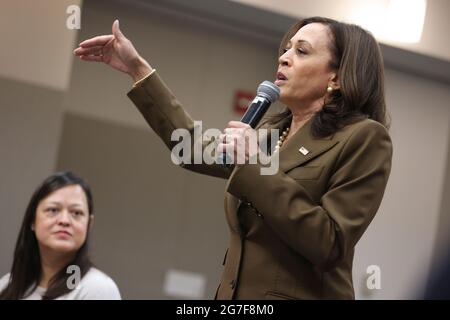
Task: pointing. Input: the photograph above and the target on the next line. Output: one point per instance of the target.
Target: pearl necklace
(281, 139)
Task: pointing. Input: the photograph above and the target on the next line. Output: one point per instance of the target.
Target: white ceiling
(435, 39)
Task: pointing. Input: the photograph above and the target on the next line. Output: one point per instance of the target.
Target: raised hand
(114, 50)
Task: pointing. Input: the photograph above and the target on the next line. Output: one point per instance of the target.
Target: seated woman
(51, 255)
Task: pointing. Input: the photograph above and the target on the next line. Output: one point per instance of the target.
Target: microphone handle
(255, 112)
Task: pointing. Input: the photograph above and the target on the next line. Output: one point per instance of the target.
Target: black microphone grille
(269, 90)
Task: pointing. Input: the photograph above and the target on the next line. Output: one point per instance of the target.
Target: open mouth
(281, 76)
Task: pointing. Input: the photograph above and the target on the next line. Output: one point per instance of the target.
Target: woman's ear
(334, 81)
(32, 227)
(91, 221)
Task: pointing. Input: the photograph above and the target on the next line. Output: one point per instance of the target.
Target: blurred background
(160, 231)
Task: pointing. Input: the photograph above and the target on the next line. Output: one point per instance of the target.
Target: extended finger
(223, 147)
(229, 130)
(226, 138)
(88, 51)
(230, 137)
(96, 41)
(235, 131)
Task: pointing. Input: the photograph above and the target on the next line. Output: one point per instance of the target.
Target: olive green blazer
(292, 234)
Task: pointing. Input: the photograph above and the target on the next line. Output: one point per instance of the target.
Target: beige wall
(401, 238)
(36, 51)
(30, 124)
(144, 227)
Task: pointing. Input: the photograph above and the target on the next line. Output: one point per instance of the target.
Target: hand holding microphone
(235, 135)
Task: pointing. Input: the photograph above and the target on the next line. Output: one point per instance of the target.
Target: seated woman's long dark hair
(26, 268)
(356, 56)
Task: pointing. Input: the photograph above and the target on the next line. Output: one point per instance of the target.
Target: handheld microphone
(266, 94)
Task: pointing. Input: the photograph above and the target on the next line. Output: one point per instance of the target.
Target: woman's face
(304, 72)
(61, 223)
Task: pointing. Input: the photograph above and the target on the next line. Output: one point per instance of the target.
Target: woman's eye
(285, 50)
(78, 213)
(301, 51)
(52, 210)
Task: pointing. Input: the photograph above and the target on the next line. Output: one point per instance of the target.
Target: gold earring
(329, 89)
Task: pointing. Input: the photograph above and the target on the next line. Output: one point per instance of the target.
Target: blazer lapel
(303, 147)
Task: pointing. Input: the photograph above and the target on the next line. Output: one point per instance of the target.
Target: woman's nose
(283, 60)
(64, 218)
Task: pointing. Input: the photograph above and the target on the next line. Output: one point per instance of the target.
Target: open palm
(114, 49)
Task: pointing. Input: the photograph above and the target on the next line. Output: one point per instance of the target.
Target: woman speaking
(293, 233)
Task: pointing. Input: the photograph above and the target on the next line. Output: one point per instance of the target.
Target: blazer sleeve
(323, 233)
(164, 113)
